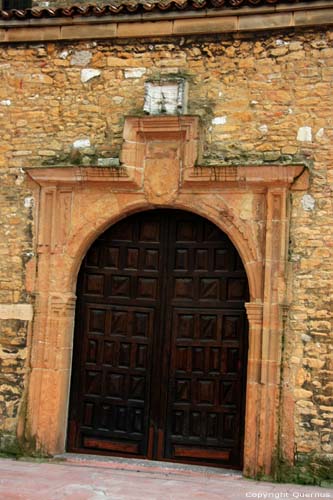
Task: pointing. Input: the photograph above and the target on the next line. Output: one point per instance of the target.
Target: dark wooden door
(160, 343)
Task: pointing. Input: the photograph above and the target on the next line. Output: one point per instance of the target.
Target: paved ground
(102, 479)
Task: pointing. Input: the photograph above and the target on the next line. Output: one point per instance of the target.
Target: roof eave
(170, 23)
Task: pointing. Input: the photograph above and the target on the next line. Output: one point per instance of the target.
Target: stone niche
(166, 96)
(76, 204)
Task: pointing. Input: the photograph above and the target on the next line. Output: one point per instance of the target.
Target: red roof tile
(132, 6)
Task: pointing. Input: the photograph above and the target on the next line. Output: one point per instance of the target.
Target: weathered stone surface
(258, 98)
(88, 74)
(162, 188)
(80, 57)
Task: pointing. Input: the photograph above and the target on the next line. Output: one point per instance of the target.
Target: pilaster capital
(254, 312)
(284, 309)
(62, 304)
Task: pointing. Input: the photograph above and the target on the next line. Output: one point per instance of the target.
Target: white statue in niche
(165, 97)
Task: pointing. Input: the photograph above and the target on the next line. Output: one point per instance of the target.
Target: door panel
(160, 342)
(118, 298)
(205, 386)
(115, 377)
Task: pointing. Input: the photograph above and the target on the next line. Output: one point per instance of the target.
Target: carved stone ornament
(165, 97)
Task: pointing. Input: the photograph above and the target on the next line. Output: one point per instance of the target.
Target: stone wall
(261, 99)
(16, 252)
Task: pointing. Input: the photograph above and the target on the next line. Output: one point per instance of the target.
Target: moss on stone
(311, 469)
(10, 446)
(243, 159)
(13, 447)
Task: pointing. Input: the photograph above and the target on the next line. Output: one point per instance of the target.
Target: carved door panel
(207, 290)
(118, 302)
(160, 342)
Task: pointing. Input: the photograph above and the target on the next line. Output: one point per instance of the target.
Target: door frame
(248, 203)
(161, 340)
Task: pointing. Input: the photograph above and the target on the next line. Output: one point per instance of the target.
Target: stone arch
(54, 318)
(235, 229)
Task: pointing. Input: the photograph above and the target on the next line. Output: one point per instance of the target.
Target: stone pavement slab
(96, 478)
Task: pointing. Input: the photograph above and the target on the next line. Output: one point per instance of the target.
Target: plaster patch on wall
(108, 162)
(306, 338)
(16, 311)
(81, 58)
(280, 43)
(117, 99)
(219, 120)
(6, 102)
(320, 133)
(28, 201)
(81, 143)
(64, 54)
(263, 129)
(304, 134)
(134, 72)
(88, 74)
(308, 203)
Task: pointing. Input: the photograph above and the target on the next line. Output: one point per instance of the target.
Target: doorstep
(139, 465)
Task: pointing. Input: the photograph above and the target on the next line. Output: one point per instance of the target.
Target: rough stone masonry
(264, 98)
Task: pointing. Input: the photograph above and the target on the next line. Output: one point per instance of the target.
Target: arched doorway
(160, 345)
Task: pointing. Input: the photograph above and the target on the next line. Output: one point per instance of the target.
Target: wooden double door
(160, 343)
